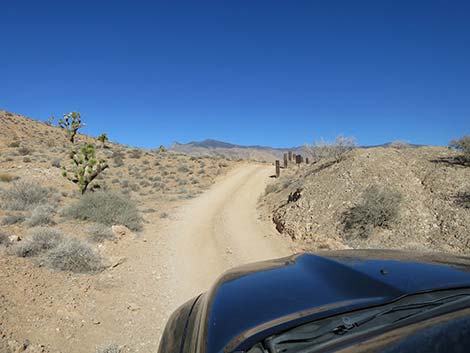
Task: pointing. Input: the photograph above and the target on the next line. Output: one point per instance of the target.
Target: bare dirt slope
(219, 230)
(432, 216)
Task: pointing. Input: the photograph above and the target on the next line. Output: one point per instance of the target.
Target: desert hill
(433, 213)
(67, 283)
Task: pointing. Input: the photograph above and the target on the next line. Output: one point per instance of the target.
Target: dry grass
(99, 232)
(110, 348)
(23, 195)
(5, 178)
(378, 208)
(108, 208)
(74, 256)
(39, 240)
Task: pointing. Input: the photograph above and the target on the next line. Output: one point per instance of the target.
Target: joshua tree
(161, 148)
(85, 166)
(103, 138)
(71, 122)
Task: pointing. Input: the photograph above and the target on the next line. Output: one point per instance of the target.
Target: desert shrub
(24, 151)
(335, 151)
(56, 163)
(378, 208)
(40, 240)
(134, 187)
(106, 207)
(144, 183)
(14, 144)
(270, 188)
(4, 239)
(136, 154)
(463, 199)
(12, 219)
(41, 215)
(183, 168)
(118, 161)
(24, 195)
(26, 160)
(6, 178)
(110, 348)
(164, 215)
(99, 232)
(463, 145)
(73, 255)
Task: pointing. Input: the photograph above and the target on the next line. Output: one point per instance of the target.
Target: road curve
(218, 230)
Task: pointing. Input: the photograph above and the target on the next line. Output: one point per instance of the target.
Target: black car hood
(252, 301)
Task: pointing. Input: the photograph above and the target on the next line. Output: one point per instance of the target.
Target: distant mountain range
(211, 147)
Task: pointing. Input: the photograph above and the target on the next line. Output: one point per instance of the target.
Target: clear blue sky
(251, 72)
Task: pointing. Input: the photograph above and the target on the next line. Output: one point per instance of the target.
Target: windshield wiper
(349, 324)
(302, 338)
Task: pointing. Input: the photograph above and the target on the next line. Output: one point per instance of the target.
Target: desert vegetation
(462, 145)
(107, 208)
(379, 206)
(331, 151)
(396, 196)
(62, 239)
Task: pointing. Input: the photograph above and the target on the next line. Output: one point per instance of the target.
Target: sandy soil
(219, 230)
(155, 271)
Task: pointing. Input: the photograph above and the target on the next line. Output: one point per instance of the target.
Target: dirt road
(153, 272)
(219, 230)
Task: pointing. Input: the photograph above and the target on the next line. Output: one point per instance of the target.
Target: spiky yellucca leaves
(71, 122)
(85, 167)
(103, 138)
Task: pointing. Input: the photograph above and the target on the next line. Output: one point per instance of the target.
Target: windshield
(318, 335)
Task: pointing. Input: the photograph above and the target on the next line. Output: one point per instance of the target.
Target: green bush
(378, 208)
(106, 207)
(75, 256)
(39, 240)
(23, 195)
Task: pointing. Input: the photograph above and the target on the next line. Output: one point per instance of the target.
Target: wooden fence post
(278, 168)
(290, 156)
(306, 160)
(298, 160)
(285, 160)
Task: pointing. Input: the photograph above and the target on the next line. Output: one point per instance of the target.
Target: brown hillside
(46, 309)
(429, 218)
